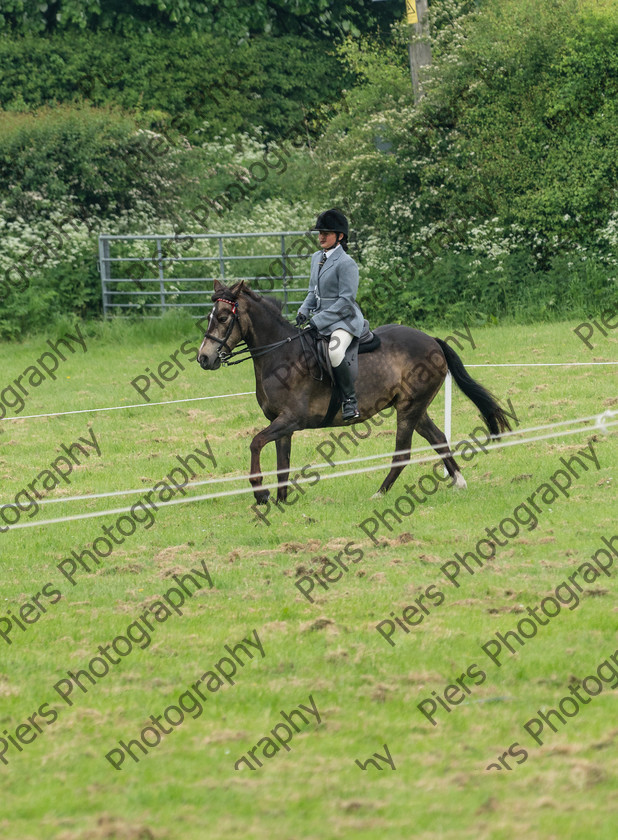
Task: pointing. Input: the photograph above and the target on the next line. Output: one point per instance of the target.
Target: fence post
(104, 268)
(221, 261)
(161, 277)
(285, 277)
(448, 403)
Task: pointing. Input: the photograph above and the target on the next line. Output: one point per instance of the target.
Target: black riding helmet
(332, 220)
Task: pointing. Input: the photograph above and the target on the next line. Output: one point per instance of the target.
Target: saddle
(367, 343)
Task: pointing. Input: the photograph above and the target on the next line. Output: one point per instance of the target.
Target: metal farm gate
(153, 273)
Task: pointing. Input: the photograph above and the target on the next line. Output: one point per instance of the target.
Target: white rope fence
(599, 420)
(448, 386)
(601, 423)
(448, 382)
(137, 405)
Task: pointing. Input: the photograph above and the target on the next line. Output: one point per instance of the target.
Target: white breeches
(339, 342)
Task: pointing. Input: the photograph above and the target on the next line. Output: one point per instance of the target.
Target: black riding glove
(301, 318)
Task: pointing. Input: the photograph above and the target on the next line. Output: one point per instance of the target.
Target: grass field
(57, 782)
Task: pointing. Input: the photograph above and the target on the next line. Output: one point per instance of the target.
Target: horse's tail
(486, 403)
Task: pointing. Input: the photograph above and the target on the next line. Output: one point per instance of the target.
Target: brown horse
(406, 372)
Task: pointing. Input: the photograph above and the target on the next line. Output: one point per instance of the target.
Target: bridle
(225, 353)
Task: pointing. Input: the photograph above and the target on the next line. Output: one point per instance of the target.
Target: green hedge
(497, 194)
(462, 288)
(234, 20)
(66, 174)
(97, 159)
(67, 290)
(268, 83)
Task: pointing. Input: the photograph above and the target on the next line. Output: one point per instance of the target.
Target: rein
(247, 353)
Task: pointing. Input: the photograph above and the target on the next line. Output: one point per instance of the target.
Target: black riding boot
(344, 379)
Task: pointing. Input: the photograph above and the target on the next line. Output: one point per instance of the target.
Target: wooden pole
(420, 48)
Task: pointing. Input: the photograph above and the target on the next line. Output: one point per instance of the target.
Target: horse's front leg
(284, 448)
(280, 431)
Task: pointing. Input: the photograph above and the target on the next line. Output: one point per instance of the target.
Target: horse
(406, 371)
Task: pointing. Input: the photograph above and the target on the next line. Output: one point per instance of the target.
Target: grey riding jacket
(331, 301)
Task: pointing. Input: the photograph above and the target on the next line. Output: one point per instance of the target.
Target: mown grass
(367, 692)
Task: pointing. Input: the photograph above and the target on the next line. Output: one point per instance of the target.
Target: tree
(239, 20)
(494, 188)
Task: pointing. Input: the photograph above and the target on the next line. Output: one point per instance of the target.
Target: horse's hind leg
(436, 437)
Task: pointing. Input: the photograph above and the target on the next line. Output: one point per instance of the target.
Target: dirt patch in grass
(113, 828)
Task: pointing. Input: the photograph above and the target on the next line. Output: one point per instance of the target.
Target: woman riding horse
(331, 304)
(406, 371)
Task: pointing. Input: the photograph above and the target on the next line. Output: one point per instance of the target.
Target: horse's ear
(217, 287)
(237, 288)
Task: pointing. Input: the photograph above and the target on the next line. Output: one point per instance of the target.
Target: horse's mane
(272, 305)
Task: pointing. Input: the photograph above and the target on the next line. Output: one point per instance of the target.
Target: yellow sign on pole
(411, 11)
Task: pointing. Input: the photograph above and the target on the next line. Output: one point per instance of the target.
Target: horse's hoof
(378, 495)
(262, 497)
(460, 482)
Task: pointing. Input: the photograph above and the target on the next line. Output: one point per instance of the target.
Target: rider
(331, 303)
